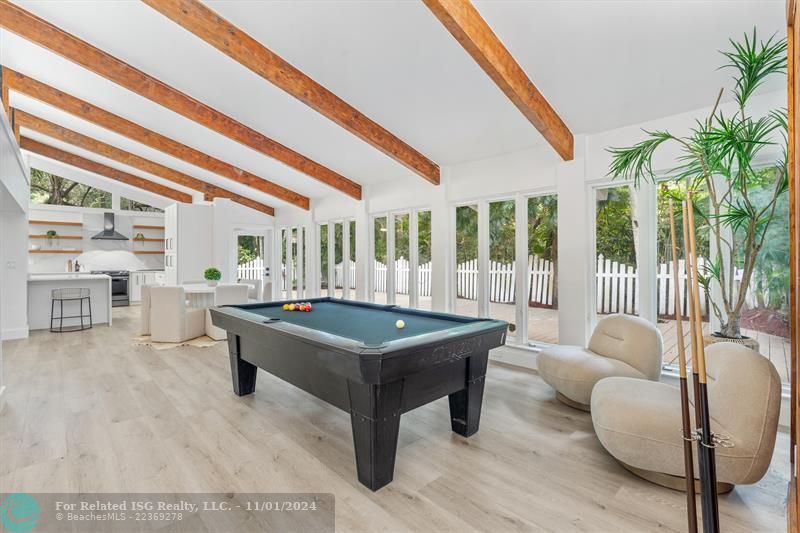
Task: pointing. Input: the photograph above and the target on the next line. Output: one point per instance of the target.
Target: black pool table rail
(392, 348)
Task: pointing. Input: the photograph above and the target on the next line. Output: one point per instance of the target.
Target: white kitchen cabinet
(187, 246)
(140, 279)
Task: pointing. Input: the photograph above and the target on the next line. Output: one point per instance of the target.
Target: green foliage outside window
(50, 189)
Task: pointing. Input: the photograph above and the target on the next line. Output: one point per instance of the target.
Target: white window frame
(646, 263)
(331, 253)
(413, 252)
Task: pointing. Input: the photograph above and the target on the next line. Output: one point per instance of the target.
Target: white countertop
(66, 276)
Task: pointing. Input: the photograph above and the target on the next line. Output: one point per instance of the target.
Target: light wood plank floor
(91, 412)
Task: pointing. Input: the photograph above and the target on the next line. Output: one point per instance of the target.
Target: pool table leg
(375, 417)
(465, 405)
(242, 372)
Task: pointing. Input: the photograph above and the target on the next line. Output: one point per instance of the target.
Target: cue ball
(400, 324)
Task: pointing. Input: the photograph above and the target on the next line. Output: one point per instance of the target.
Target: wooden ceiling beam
(55, 131)
(464, 22)
(102, 170)
(100, 117)
(206, 24)
(28, 26)
(4, 93)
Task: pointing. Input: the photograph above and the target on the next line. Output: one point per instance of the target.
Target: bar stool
(69, 294)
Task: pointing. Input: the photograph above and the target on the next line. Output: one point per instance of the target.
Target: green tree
(50, 189)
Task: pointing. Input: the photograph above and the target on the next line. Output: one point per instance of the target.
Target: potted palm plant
(722, 159)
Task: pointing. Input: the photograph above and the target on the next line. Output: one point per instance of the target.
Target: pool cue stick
(688, 461)
(687, 265)
(708, 474)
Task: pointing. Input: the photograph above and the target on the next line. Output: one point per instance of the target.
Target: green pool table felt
(365, 324)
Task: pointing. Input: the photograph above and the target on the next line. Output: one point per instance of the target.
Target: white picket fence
(338, 275)
(251, 270)
(402, 277)
(617, 284)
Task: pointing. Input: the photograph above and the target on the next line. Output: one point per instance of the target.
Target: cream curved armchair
(621, 345)
(639, 422)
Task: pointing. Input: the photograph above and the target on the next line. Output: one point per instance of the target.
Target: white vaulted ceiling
(601, 64)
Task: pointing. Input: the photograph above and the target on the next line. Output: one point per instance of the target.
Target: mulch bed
(767, 321)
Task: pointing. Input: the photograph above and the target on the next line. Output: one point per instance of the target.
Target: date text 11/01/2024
(189, 507)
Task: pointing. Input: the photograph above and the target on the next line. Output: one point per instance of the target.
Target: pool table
(353, 356)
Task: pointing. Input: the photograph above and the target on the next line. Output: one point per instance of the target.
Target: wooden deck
(774, 348)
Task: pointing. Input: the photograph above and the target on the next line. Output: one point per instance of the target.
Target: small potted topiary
(212, 276)
(51, 236)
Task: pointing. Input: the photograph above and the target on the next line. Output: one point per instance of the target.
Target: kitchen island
(39, 297)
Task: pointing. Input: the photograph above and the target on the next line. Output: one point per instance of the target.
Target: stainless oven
(119, 286)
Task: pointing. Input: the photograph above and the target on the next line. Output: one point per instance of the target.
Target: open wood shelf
(77, 237)
(55, 251)
(147, 240)
(148, 252)
(55, 223)
(145, 226)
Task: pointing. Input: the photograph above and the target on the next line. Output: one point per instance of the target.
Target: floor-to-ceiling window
(402, 255)
(424, 259)
(542, 270)
(617, 247)
(293, 264)
(338, 248)
(466, 256)
(765, 312)
(502, 254)
(284, 273)
(665, 280)
(380, 263)
(352, 248)
(323, 260)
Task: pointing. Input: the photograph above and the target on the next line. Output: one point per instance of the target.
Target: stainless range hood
(109, 233)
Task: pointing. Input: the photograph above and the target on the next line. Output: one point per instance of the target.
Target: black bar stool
(67, 295)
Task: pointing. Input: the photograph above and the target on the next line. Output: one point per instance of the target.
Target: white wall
(14, 192)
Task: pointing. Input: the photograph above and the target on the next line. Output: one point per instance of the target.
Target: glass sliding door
(424, 277)
(466, 254)
(502, 247)
(542, 269)
(617, 248)
(402, 256)
(380, 226)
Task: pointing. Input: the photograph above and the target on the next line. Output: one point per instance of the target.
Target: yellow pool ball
(285, 307)
(400, 324)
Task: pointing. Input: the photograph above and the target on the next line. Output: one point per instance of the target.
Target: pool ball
(285, 307)
(400, 324)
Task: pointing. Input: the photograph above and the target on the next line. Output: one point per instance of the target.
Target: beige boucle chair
(170, 318)
(621, 345)
(639, 422)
